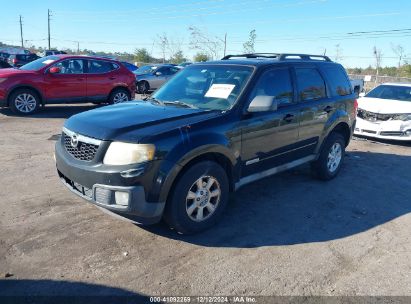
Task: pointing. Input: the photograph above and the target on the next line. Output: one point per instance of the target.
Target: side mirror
(263, 103)
(158, 73)
(362, 94)
(54, 70)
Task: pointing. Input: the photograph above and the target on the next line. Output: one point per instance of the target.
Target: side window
(173, 71)
(310, 84)
(165, 71)
(70, 66)
(338, 80)
(275, 83)
(99, 67)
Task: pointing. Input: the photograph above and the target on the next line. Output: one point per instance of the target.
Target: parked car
(18, 60)
(184, 64)
(151, 77)
(4, 64)
(385, 112)
(180, 153)
(129, 66)
(65, 79)
(53, 52)
(4, 56)
(358, 86)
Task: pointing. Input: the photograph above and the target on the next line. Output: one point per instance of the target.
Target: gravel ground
(285, 235)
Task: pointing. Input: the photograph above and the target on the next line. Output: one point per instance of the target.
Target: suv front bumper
(106, 190)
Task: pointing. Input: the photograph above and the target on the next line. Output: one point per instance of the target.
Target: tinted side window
(310, 84)
(70, 66)
(100, 67)
(338, 80)
(275, 83)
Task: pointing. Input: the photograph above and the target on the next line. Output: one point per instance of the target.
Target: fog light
(122, 198)
(408, 132)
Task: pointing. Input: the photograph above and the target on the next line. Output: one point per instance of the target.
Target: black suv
(210, 130)
(19, 60)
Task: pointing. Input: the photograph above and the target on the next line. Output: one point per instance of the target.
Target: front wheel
(198, 199)
(24, 102)
(119, 96)
(331, 157)
(143, 87)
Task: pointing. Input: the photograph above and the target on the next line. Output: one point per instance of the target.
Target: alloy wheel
(203, 198)
(334, 157)
(25, 103)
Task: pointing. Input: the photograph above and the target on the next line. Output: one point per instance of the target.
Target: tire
(331, 157)
(143, 87)
(119, 96)
(183, 213)
(24, 102)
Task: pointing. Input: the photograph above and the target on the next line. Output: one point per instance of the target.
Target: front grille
(371, 116)
(82, 151)
(392, 133)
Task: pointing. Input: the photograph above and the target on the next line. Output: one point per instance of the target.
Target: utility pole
(78, 47)
(48, 20)
(21, 32)
(225, 43)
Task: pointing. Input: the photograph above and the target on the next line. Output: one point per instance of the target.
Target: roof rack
(280, 57)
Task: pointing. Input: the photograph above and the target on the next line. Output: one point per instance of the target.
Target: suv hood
(123, 121)
(384, 106)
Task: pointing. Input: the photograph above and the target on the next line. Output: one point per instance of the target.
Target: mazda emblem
(74, 141)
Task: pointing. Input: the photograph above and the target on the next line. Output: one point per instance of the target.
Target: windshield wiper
(158, 101)
(181, 103)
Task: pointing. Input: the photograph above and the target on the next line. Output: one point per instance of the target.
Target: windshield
(211, 87)
(145, 69)
(39, 63)
(402, 93)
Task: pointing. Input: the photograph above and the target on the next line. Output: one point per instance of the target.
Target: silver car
(151, 77)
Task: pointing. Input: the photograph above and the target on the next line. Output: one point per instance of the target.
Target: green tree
(178, 57)
(248, 46)
(142, 55)
(201, 57)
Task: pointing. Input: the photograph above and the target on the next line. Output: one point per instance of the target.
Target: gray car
(151, 77)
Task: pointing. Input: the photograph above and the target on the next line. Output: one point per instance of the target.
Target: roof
(402, 84)
(257, 59)
(82, 56)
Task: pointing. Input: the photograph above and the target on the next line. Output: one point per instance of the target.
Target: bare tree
(248, 46)
(399, 51)
(205, 43)
(378, 58)
(174, 47)
(162, 42)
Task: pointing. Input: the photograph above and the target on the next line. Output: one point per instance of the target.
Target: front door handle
(288, 117)
(328, 109)
(112, 78)
(80, 79)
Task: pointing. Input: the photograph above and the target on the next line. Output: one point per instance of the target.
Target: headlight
(119, 153)
(403, 117)
(2, 80)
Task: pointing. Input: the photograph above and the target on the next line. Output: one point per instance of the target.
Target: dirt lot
(285, 235)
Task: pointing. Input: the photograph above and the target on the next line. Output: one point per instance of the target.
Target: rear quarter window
(338, 80)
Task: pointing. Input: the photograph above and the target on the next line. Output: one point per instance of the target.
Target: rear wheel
(143, 87)
(198, 199)
(119, 96)
(331, 157)
(24, 102)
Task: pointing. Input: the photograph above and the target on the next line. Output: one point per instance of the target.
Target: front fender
(188, 150)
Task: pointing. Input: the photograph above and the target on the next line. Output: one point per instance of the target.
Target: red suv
(65, 79)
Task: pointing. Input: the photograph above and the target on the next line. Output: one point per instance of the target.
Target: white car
(385, 112)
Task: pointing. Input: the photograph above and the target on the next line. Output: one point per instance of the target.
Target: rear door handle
(288, 117)
(328, 109)
(80, 79)
(112, 78)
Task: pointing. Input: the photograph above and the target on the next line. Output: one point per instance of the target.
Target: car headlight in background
(120, 153)
(403, 117)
